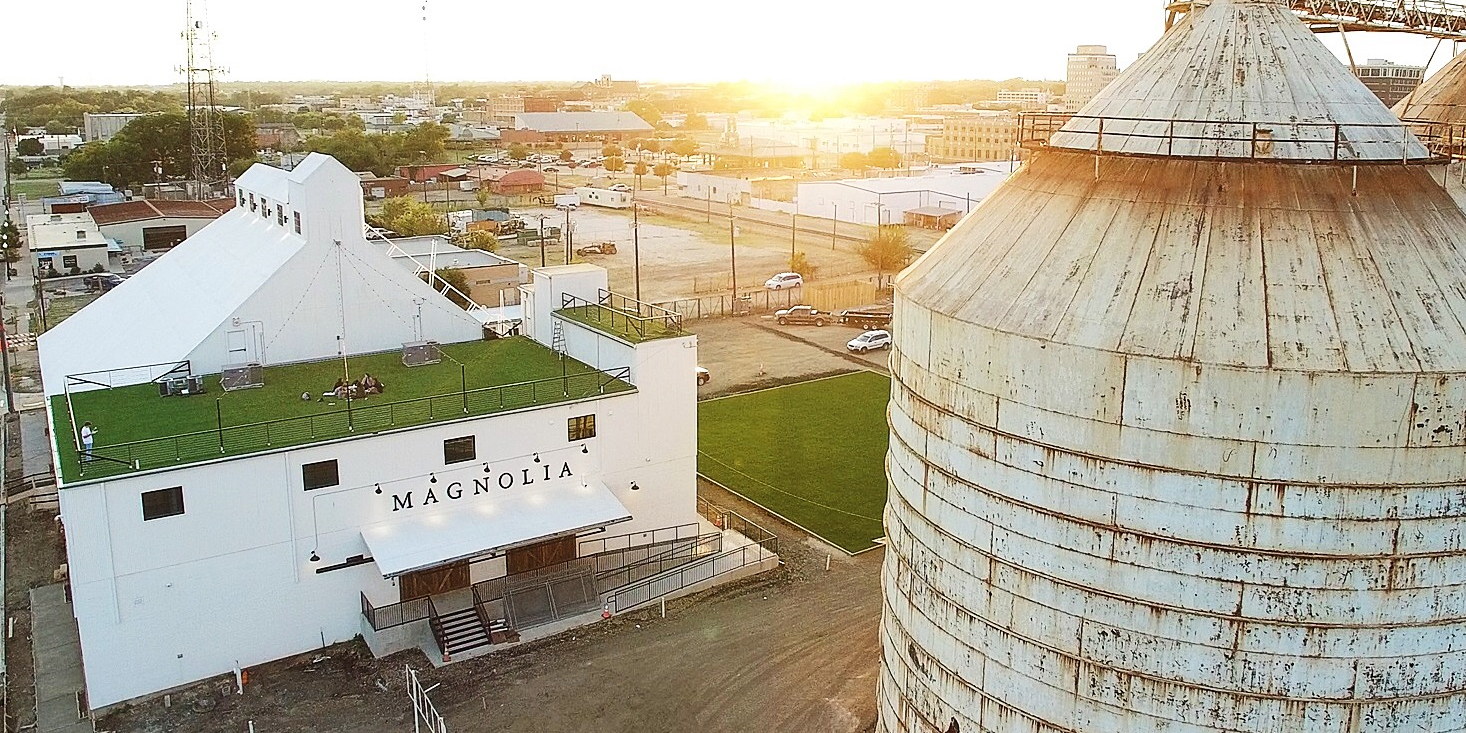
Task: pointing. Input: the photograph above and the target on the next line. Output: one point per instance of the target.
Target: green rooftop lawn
(275, 416)
(812, 452)
(617, 323)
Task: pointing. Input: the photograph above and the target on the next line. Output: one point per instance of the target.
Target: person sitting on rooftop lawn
(371, 385)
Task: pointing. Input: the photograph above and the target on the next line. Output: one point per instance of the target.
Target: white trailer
(604, 197)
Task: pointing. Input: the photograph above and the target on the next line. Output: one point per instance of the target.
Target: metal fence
(246, 438)
(394, 614)
(748, 303)
(424, 713)
(598, 545)
(1221, 139)
(765, 545)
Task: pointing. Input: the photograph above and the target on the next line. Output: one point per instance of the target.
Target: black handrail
(250, 437)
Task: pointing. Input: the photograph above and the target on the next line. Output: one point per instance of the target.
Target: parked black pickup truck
(870, 317)
(804, 314)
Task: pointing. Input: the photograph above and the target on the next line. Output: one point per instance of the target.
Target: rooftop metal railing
(1220, 139)
(227, 440)
(621, 314)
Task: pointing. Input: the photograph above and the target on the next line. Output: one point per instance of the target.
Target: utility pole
(636, 245)
(793, 235)
(710, 205)
(542, 240)
(733, 256)
(834, 226)
(5, 356)
(569, 237)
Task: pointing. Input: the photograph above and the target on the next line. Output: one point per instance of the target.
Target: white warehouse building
(233, 510)
(874, 201)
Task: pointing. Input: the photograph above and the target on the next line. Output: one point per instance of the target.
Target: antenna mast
(205, 122)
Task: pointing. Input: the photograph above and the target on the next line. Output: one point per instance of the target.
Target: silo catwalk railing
(1341, 142)
(1444, 140)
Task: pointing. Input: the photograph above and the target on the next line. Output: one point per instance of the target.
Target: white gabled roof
(164, 311)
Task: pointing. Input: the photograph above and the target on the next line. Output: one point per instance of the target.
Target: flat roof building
(1389, 81)
(1090, 69)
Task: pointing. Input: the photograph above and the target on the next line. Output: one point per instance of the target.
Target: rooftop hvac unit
(242, 376)
(420, 353)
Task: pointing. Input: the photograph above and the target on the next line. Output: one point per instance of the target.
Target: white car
(870, 340)
(620, 187)
(784, 280)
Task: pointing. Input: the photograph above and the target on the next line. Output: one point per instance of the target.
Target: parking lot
(680, 256)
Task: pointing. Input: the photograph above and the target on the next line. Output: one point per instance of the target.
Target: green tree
(799, 263)
(480, 239)
(137, 151)
(883, 157)
(614, 164)
(29, 146)
(567, 156)
(18, 167)
(651, 145)
(411, 218)
(663, 170)
(854, 161)
(612, 150)
(519, 151)
(57, 127)
(684, 147)
(482, 195)
(695, 123)
(645, 110)
(450, 276)
(639, 171)
(887, 250)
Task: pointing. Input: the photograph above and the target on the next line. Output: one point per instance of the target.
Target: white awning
(473, 526)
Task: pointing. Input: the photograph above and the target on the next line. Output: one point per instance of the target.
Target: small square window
(582, 427)
(319, 475)
(162, 503)
(458, 450)
(68, 261)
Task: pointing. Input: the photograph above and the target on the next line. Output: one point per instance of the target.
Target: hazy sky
(801, 42)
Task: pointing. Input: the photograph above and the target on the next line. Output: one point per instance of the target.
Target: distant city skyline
(91, 42)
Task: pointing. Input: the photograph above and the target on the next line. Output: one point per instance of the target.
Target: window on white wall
(162, 503)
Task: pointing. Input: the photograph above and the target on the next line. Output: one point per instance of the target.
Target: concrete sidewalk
(57, 650)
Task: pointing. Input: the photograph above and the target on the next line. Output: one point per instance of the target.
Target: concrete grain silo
(1178, 416)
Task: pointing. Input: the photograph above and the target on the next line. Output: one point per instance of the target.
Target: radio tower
(205, 123)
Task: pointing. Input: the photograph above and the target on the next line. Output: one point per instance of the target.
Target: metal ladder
(557, 339)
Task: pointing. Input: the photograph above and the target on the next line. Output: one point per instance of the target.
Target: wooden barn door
(541, 554)
(434, 581)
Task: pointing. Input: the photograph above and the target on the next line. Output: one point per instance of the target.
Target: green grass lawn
(35, 188)
(135, 423)
(812, 452)
(616, 323)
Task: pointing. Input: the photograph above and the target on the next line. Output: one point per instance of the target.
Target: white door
(244, 345)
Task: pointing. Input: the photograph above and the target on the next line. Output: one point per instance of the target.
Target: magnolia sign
(480, 486)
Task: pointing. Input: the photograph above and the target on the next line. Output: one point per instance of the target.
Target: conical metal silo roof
(1240, 79)
(1439, 99)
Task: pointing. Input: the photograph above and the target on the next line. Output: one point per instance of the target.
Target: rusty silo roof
(1240, 79)
(1440, 99)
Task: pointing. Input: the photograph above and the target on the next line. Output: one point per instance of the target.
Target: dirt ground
(33, 551)
(685, 252)
(794, 649)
